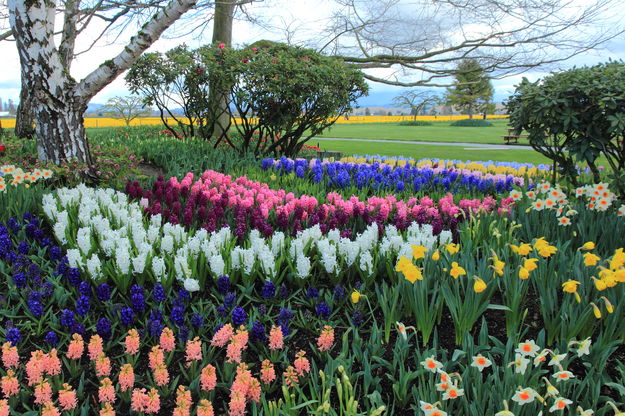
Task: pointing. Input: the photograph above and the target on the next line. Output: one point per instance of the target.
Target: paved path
(467, 146)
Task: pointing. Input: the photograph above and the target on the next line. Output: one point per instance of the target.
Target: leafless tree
(417, 100)
(419, 42)
(127, 108)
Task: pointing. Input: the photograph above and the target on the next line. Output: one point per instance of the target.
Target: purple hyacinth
(83, 305)
(14, 336)
(197, 320)
(103, 292)
(230, 300)
(223, 284)
(312, 293)
(84, 288)
(323, 310)
(238, 316)
(103, 328)
(177, 315)
(34, 304)
(52, 339)
(127, 316)
(258, 332)
(67, 318)
(159, 292)
(269, 290)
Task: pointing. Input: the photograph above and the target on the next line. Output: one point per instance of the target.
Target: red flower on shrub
(2, 148)
(221, 45)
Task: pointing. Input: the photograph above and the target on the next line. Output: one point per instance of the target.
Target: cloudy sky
(301, 20)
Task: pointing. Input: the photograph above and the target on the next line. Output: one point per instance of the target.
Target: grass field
(438, 132)
(432, 151)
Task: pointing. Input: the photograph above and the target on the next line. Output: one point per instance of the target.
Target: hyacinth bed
(366, 286)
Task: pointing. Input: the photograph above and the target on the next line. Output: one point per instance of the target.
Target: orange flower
(126, 377)
(208, 378)
(167, 340)
(10, 356)
(76, 347)
(205, 408)
(194, 350)
(10, 384)
(103, 365)
(67, 397)
(132, 342)
(95, 347)
(106, 392)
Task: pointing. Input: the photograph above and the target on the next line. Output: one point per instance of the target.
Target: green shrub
(472, 122)
(415, 123)
(576, 115)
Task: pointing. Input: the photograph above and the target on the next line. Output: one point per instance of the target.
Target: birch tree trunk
(60, 101)
(25, 118)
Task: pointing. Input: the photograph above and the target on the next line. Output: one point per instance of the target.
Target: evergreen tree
(472, 90)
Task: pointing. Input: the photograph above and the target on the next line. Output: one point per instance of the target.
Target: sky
(300, 19)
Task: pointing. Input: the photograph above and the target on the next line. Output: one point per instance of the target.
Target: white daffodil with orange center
(560, 404)
(524, 395)
(480, 362)
(527, 348)
(520, 364)
(431, 364)
(453, 392)
(563, 375)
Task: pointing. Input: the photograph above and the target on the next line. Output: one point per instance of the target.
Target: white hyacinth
(122, 259)
(158, 268)
(74, 258)
(83, 239)
(94, 267)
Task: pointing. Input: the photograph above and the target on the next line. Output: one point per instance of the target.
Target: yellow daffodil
(599, 284)
(619, 275)
(540, 243)
(436, 255)
(608, 305)
(589, 245)
(530, 264)
(596, 310)
(523, 250)
(618, 259)
(412, 273)
(570, 286)
(547, 251)
(591, 259)
(617, 412)
(479, 285)
(452, 248)
(402, 264)
(497, 265)
(418, 252)
(456, 270)
(523, 273)
(355, 296)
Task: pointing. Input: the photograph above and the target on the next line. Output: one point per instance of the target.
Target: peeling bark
(60, 100)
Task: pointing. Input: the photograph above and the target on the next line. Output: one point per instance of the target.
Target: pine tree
(472, 90)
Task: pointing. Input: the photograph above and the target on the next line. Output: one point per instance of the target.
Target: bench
(511, 138)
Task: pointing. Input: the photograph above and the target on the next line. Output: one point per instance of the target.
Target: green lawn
(432, 151)
(438, 132)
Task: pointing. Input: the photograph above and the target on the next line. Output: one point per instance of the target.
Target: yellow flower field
(147, 121)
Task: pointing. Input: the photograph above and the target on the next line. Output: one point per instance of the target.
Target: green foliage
(471, 122)
(577, 114)
(415, 123)
(283, 95)
(167, 82)
(472, 90)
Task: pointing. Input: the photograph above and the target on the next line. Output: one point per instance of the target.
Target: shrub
(471, 122)
(576, 114)
(415, 123)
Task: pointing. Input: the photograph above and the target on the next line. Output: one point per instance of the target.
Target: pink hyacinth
(222, 337)
(276, 340)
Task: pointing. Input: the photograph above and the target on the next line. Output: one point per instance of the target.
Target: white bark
(60, 100)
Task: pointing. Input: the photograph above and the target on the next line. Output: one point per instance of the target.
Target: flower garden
(192, 282)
